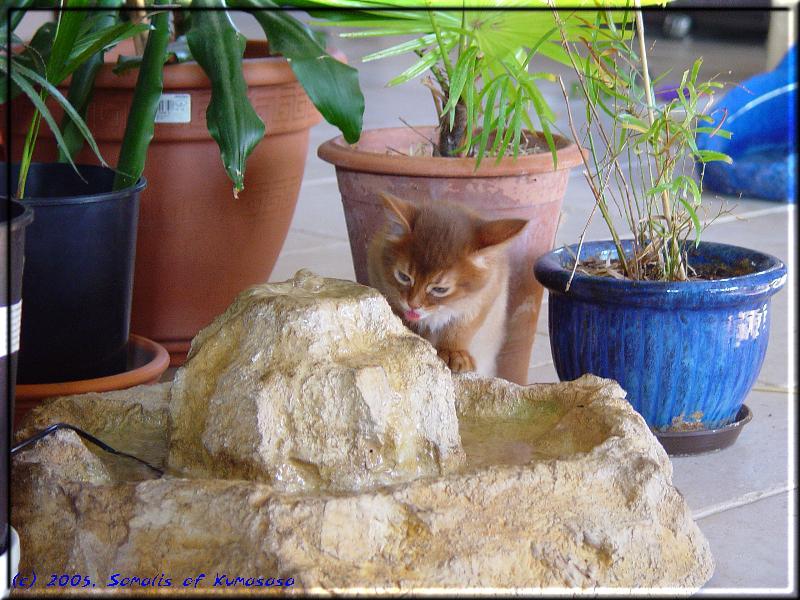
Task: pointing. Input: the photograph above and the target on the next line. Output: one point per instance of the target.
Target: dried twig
(417, 131)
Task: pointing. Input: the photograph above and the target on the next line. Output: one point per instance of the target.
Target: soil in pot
(708, 271)
(527, 187)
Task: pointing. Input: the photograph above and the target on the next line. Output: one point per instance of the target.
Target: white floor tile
(750, 546)
(756, 462)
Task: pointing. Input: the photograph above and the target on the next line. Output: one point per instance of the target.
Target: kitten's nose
(414, 305)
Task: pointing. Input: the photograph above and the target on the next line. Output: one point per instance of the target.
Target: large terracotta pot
(527, 188)
(197, 245)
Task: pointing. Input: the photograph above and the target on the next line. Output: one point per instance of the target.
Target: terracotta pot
(198, 246)
(527, 188)
(147, 362)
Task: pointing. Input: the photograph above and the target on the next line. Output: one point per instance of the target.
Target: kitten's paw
(459, 361)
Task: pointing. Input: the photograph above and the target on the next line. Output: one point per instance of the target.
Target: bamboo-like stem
(665, 202)
(598, 194)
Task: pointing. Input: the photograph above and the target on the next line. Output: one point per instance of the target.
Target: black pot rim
(766, 281)
(35, 201)
(20, 221)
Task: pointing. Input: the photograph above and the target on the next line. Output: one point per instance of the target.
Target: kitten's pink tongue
(412, 315)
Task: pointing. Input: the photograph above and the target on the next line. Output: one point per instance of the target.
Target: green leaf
(631, 122)
(98, 41)
(403, 48)
(698, 228)
(489, 95)
(82, 84)
(19, 75)
(218, 48)
(460, 73)
(331, 85)
(425, 63)
(140, 125)
(713, 131)
(67, 30)
(712, 155)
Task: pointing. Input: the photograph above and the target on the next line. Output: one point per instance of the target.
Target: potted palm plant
(682, 324)
(223, 107)
(491, 148)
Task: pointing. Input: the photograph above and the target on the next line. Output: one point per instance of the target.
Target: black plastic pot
(14, 218)
(78, 275)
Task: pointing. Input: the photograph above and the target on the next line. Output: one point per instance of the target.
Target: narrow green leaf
(140, 125)
(713, 131)
(331, 85)
(403, 48)
(461, 71)
(712, 155)
(218, 48)
(36, 100)
(18, 71)
(69, 25)
(483, 139)
(698, 228)
(82, 84)
(100, 40)
(425, 63)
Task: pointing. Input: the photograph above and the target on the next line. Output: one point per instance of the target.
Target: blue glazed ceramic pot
(683, 351)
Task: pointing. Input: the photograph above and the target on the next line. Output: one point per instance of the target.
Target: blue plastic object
(761, 117)
(683, 350)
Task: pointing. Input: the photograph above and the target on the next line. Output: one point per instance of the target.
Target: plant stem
(598, 194)
(27, 151)
(665, 202)
(451, 139)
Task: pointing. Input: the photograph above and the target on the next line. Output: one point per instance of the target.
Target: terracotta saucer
(147, 361)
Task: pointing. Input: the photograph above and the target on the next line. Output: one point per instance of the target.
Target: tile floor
(743, 497)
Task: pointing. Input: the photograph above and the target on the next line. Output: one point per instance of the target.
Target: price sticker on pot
(174, 108)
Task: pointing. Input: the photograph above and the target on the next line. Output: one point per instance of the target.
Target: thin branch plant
(653, 190)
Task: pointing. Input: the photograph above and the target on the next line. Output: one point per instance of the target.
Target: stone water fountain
(311, 435)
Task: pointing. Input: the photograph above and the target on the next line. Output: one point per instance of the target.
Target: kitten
(444, 271)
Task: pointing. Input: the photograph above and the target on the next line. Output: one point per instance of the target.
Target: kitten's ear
(400, 214)
(491, 233)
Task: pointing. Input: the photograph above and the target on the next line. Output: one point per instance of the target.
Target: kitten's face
(435, 294)
(437, 256)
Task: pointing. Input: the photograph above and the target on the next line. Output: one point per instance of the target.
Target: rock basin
(311, 436)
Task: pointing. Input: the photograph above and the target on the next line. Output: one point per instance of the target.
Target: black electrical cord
(87, 436)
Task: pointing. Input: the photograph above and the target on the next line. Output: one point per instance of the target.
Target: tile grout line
(733, 218)
(744, 499)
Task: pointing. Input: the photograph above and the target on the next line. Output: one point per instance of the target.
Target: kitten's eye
(440, 291)
(402, 277)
